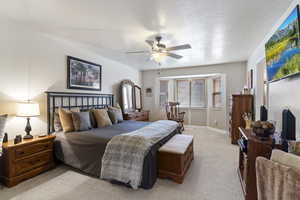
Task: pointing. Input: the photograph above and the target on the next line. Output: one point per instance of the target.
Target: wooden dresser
(250, 149)
(240, 105)
(138, 116)
(26, 159)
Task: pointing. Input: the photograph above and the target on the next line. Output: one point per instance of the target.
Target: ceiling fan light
(158, 57)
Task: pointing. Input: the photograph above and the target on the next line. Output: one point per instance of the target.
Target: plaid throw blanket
(124, 154)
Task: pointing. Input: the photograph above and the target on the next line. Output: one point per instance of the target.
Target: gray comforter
(124, 156)
(84, 150)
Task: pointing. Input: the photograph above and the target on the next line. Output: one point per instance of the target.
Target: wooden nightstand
(26, 159)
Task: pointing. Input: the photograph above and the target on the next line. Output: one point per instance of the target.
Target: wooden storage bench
(175, 157)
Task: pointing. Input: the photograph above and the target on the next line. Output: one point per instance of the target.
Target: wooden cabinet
(26, 159)
(250, 149)
(239, 105)
(138, 116)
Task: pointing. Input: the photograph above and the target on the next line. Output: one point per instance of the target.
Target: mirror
(131, 97)
(138, 97)
(127, 96)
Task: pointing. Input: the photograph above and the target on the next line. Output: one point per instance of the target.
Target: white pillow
(2, 125)
(286, 159)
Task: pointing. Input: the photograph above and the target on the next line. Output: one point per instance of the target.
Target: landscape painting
(83, 74)
(282, 50)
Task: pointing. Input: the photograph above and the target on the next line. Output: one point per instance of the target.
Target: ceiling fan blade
(137, 52)
(179, 47)
(173, 55)
(150, 42)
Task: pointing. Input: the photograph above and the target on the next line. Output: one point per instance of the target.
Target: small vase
(248, 124)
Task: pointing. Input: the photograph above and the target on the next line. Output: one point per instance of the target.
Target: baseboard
(218, 130)
(194, 126)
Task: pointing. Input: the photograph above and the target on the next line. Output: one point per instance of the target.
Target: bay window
(191, 93)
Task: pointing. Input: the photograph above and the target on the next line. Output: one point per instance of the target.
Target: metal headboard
(69, 100)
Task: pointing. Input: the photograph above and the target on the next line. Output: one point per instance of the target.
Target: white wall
(31, 58)
(282, 94)
(235, 74)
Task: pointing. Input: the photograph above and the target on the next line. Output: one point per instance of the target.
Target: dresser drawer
(30, 163)
(24, 151)
(138, 116)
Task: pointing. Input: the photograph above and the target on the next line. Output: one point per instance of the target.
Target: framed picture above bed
(83, 75)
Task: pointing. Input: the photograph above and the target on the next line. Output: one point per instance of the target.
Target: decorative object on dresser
(248, 120)
(18, 139)
(83, 75)
(26, 159)
(251, 147)
(175, 157)
(173, 113)
(28, 110)
(240, 104)
(131, 102)
(263, 129)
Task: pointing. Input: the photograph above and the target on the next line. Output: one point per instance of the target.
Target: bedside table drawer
(22, 152)
(28, 164)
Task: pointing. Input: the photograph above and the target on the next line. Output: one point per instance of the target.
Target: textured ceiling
(218, 30)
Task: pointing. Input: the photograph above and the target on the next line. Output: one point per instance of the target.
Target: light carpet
(212, 176)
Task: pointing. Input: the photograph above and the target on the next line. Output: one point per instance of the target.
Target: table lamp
(28, 110)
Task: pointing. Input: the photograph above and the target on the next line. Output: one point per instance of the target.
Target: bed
(84, 150)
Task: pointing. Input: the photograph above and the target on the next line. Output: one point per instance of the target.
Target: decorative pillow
(2, 125)
(92, 118)
(57, 123)
(66, 120)
(81, 121)
(101, 117)
(115, 115)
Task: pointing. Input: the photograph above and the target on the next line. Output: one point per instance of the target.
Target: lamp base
(27, 130)
(27, 137)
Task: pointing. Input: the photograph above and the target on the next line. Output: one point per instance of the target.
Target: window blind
(198, 96)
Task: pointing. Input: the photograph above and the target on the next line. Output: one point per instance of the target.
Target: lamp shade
(28, 110)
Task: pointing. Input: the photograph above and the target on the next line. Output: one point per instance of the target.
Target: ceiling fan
(160, 50)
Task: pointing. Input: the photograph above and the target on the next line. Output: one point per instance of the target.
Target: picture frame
(282, 50)
(83, 75)
(148, 92)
